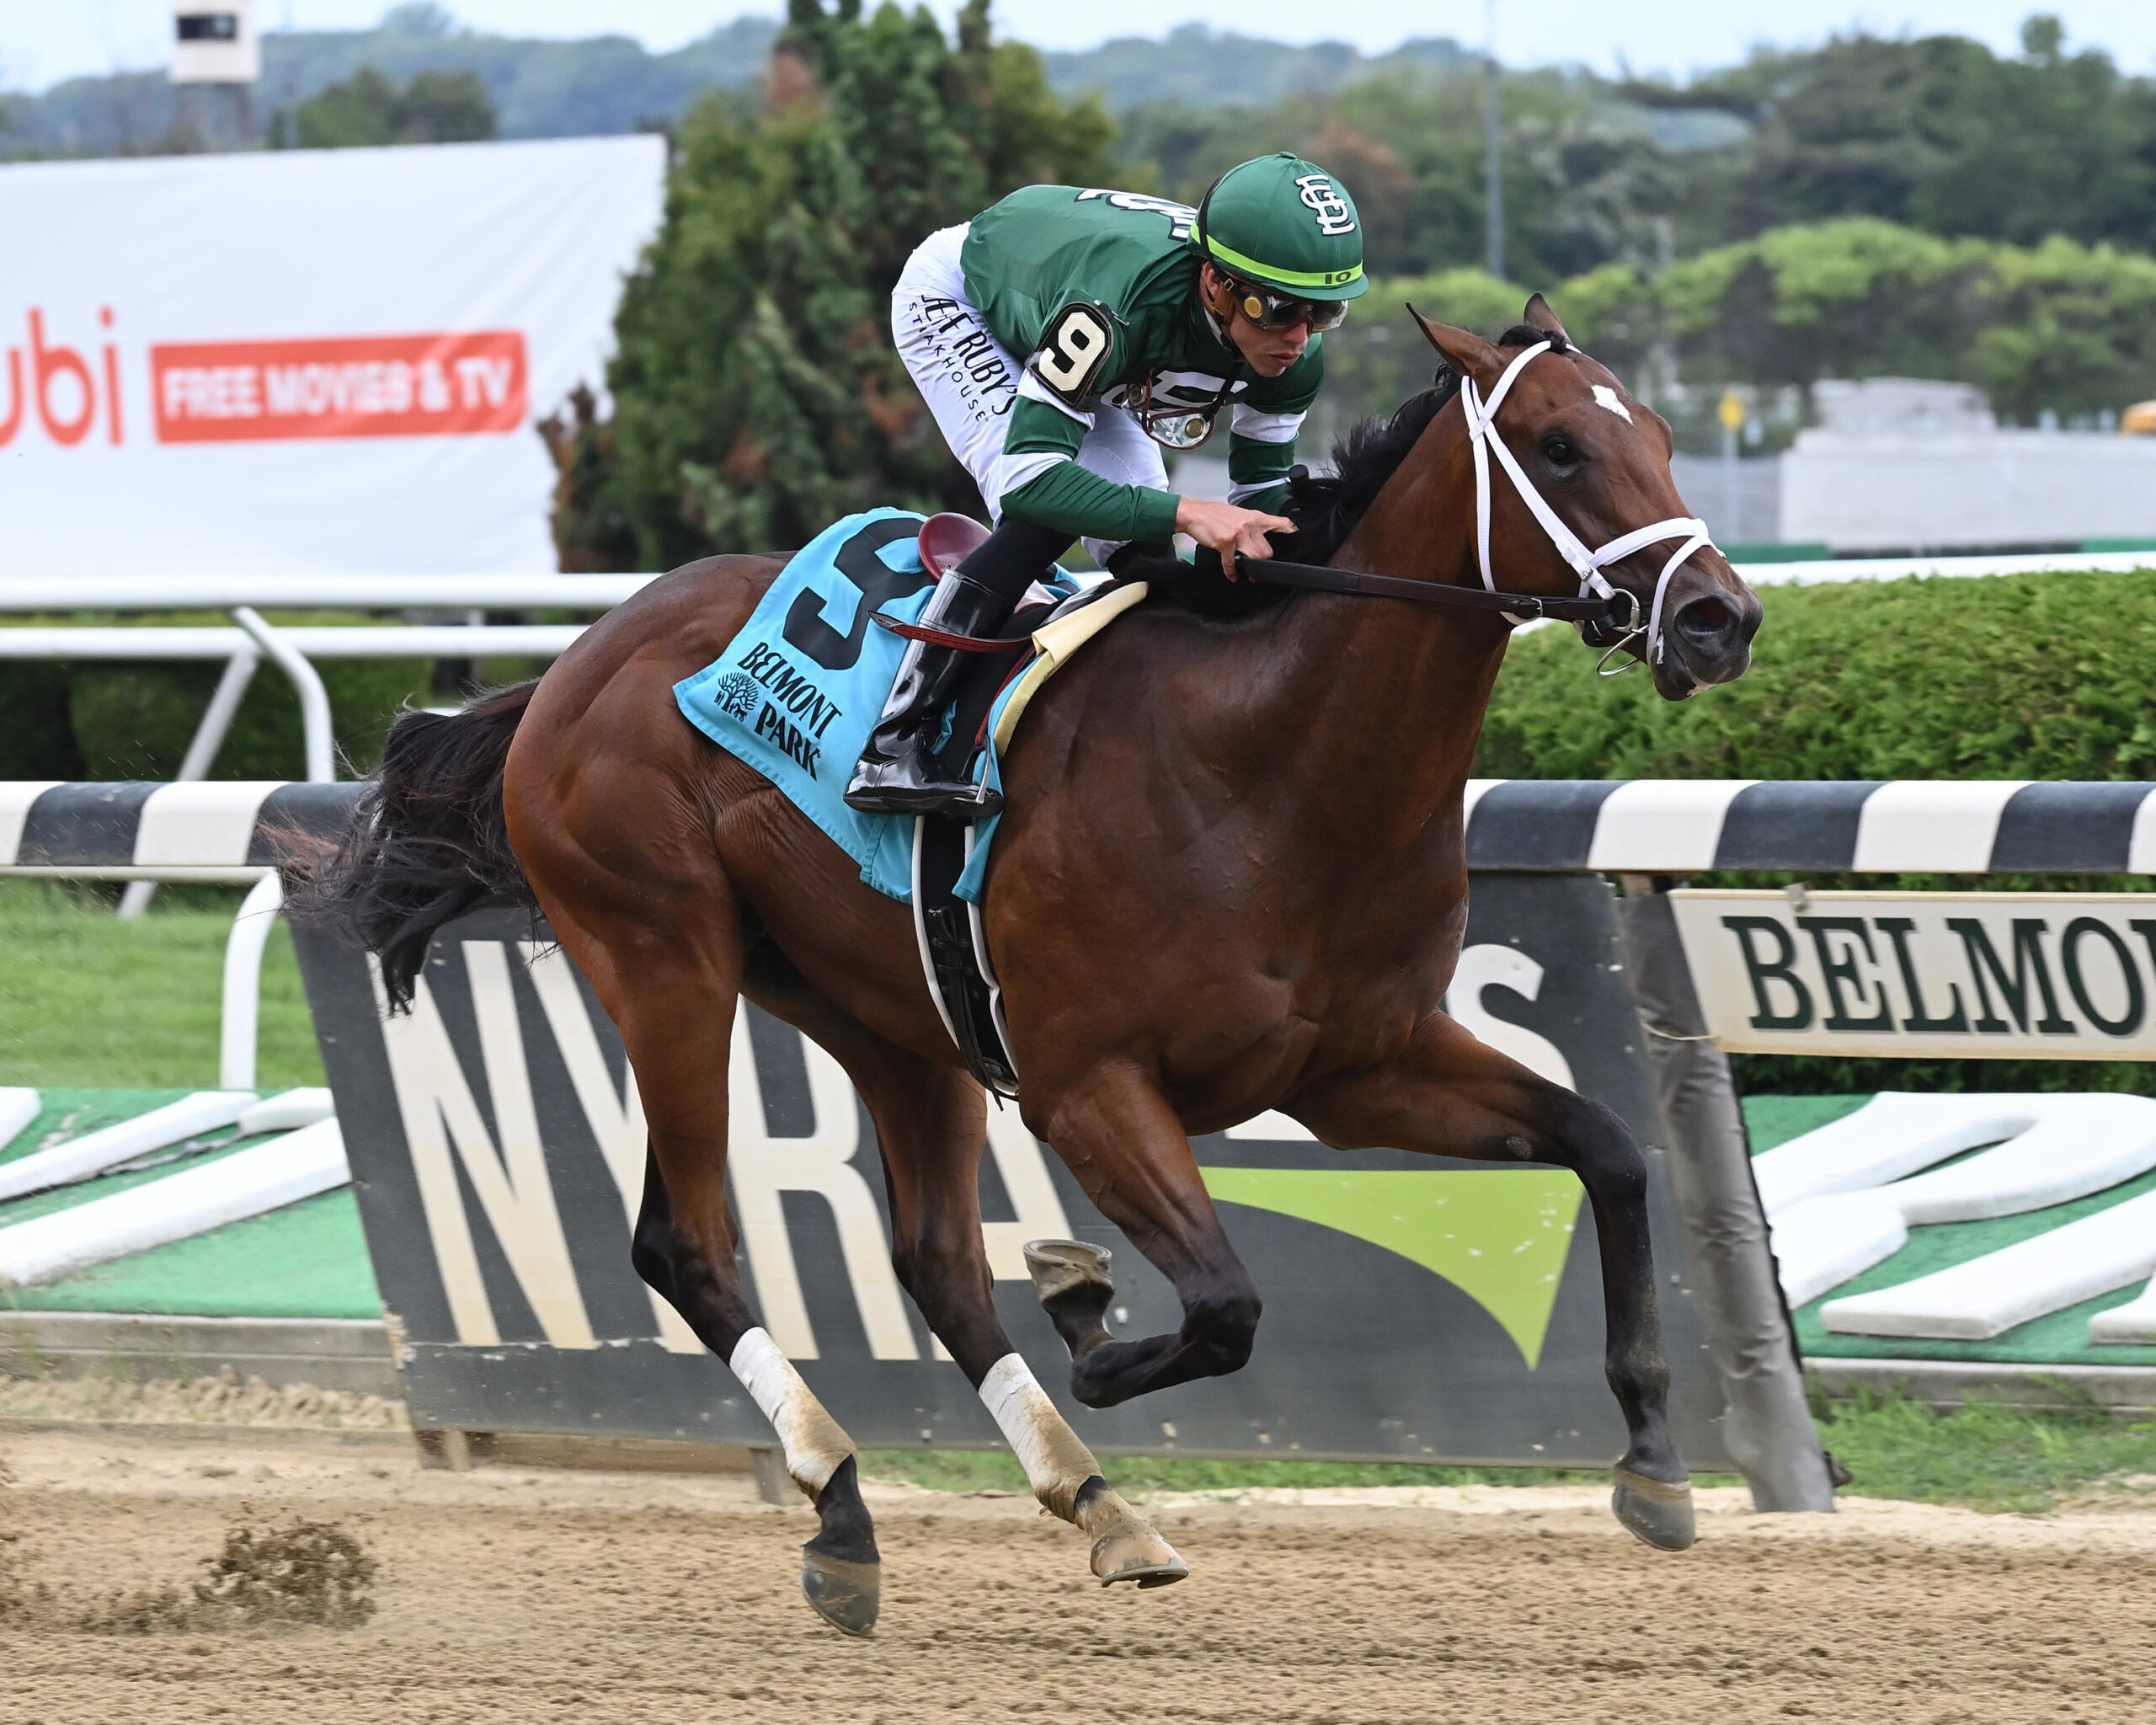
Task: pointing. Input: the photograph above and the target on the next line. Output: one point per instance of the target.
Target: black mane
(1325, 507)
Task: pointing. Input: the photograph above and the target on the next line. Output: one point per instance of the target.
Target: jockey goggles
(1279, 311)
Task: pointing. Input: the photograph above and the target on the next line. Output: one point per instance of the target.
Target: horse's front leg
(1448, 1094)
(1123, 1142)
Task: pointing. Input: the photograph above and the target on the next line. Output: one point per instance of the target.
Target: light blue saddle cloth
(796, 693)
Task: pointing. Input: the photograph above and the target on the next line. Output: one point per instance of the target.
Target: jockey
(1141, 319)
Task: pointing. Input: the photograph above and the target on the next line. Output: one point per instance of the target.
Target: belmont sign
(2052, 975)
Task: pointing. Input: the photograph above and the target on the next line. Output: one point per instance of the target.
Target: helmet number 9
(1074, 350)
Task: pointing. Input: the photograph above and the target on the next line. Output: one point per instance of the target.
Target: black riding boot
(895, 776)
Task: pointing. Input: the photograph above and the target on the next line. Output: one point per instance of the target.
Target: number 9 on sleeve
(1073, 351)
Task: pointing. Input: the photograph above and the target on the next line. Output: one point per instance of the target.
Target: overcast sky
(42, 41)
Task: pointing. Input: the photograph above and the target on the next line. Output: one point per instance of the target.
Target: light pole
(1493, 162)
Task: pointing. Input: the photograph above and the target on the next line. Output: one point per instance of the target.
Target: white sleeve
(1262, 427)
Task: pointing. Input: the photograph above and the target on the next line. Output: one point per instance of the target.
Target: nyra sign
(2056, 975)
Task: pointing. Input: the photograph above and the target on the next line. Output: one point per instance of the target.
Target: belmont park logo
(69, 385)
(765, 668)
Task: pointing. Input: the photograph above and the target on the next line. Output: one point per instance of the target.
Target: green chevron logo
(1500, 1237)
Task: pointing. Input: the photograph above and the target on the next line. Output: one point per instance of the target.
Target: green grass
(1980, 1457)
(85, 999)
(1142, 1475)
(1985, 1456)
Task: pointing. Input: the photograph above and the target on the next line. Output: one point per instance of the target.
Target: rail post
(202, 751)
(242, 1017)
(314, 699)
(1767, 1423)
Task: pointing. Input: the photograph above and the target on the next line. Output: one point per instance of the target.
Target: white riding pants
(970, 381)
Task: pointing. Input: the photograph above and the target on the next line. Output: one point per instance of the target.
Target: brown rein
(1601, 616)
(1525, 607)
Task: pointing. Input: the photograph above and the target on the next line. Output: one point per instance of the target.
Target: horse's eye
(1560, 451)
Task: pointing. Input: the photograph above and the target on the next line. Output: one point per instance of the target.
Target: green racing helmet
(1285, 224)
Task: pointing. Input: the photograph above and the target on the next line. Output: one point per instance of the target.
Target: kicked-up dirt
(522, 1594)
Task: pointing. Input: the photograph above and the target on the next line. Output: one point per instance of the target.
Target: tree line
(1810, 231)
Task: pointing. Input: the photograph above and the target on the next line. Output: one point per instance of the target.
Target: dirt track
(513, 1594)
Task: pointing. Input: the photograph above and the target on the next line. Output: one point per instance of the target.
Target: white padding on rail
(1657, 824)
(18, 1109)
(2134, 1321)
(287, 1111)
(207, 822)
(300, 1165)
(94, 1151)
(1896, 1133)
(16, 796)
(1836, 1207)
(1915, 824)
(1976, 1300)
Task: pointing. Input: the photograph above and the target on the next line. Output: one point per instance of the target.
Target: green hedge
(2017, 676)
(129, 720)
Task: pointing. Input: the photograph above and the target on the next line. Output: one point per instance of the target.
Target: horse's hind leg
(1451, 1095)
(931, 1121)
(668, 969)
(1119, 1137)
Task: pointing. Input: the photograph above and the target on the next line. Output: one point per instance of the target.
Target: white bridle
(1482, 438)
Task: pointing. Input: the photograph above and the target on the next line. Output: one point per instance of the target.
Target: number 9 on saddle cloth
(795, 694)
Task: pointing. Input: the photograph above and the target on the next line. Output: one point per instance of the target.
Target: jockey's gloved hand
(1230, 530)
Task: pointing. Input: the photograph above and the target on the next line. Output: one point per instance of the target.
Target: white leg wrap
(1056, 1461)
(814, 1445)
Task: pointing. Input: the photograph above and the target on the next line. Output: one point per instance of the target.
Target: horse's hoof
(1075, 1285)
(1658, 1514)
(847, 1595)
(1061, 1266)
(1136, 1553)
(1126, 1545)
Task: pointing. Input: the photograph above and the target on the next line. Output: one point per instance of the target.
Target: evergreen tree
(757, 395)
(367, 108)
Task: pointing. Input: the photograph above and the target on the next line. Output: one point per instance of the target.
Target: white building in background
(1900, 462)
(1906, 464)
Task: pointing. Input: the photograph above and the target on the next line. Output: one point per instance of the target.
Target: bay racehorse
(1230, 878)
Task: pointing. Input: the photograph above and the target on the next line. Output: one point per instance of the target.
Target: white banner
(2067, 976)
(306, 361)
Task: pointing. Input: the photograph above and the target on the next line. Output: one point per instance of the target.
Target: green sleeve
(1066, 495)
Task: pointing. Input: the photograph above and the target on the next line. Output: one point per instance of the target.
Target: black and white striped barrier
(206, 829)
(1898, 826)
(1643, 826)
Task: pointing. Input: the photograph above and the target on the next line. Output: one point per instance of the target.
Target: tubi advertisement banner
(304, 361)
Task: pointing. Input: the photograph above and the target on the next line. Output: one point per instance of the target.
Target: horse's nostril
(1706, 616)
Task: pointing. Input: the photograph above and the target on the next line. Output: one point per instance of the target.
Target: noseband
(1604, 614)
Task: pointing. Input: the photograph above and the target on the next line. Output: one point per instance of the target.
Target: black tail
(427, 841)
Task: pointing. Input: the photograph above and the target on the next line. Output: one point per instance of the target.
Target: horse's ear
(1538, 315)
(1464, 351)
